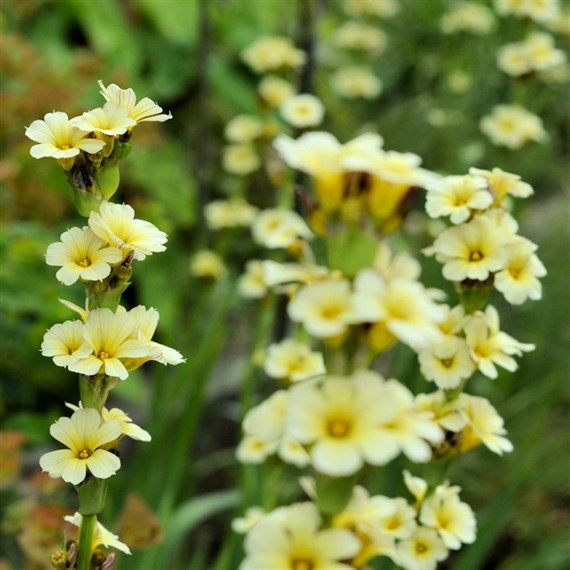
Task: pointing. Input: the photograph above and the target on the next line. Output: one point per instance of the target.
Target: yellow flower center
(447, 362)
(85, 262)
(302, 564)
(421, 548)
(331, 312)
(338, 428)
(103, 355)
(475, 256)
(84, 454)
(393, 523)
(514, 272)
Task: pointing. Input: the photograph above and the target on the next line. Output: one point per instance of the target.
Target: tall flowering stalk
(351, 296)
(350, 299)
(107, 341)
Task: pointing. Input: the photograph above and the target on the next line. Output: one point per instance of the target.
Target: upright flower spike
(144, 110)
(59, 138)
(82, 255)
(83, 434)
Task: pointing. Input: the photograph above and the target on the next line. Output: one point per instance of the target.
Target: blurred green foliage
(185, 55)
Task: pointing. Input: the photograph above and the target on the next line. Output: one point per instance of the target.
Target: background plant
(175, 170)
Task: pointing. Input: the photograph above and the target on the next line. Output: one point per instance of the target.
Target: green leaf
(105, 25)
(194, 512)
(175, 20)
(163, 173)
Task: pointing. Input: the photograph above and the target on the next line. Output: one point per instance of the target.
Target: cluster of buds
(107, 341)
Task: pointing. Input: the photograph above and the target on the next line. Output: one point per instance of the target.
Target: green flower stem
(92, 496)
(86, 534)
(94, 390)
(333, 493)
(474, 294)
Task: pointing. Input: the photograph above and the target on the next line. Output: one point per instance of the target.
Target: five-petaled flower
(84, 434)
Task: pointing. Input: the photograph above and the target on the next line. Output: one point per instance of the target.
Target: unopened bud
(109, 562)
(59, 559)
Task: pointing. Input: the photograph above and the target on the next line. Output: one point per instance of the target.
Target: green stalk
(86, 533)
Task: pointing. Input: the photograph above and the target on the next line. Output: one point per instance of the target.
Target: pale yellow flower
(358, 36)
(542, 11)
(422, 551)
(144, 110)
(62, 342)
(535, 53)
(512, 126)
(263, 428)
(146, 321)
(518, 281)
(338, 418)
(447, 362)
(501, 184)
(251, 284)
(416, 486)
(443, 412)
(117, 225)
(324, 308)
(111, 120)
(275, 273)
(252, 516)
(356, 81)
(317, 154)
(467, 17)
(302, 111)
(128, 428)
(274, 90)
(271, 53)
(291, 538)
(207, 264)
(240, 159)
(379, 8)
(243, 129)
(398, 521)
(233, 213)
(404, 306)
(457, 197)
(453, 519)
(471, 251)
(101, 536)
(108, 339)
(483, 425)
(400, 266)
(276, 228)
(84, 434)
(293, 360)
(364, 515)
(59, 138)
(489, 346)
(407, 429)
(82, 255)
